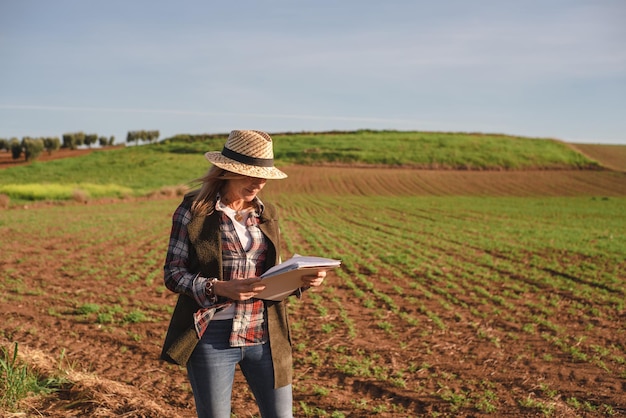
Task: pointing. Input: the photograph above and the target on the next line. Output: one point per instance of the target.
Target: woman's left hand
(314, 280)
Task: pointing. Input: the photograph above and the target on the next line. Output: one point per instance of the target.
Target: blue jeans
(211, 371)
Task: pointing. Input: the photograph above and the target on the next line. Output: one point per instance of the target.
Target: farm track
(446, 306)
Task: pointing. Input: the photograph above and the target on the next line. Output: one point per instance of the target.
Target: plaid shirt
(249, 325)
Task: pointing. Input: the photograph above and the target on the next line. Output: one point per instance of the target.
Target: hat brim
(271, 173)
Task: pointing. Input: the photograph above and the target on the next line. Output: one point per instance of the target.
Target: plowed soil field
(447, 304)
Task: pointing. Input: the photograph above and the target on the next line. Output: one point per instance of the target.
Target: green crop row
(540, 276)
(506, 270)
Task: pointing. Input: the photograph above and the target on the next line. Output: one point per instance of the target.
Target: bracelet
(209, 291)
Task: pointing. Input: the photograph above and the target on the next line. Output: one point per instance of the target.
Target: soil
(610, 156)
(113, 374)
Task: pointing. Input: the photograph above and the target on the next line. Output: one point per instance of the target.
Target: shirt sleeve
(177, 277)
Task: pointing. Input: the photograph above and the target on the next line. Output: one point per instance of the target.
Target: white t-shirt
(240, 226)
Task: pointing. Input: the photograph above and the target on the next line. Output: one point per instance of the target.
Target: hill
(144, 170)
(430, 150)
(609, 156)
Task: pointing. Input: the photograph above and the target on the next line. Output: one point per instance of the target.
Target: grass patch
(56, 191)
(452, 150)
(144, 169)
(17, 381)
(428, 150)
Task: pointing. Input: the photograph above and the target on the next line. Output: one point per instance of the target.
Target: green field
(138, 171)
(416, 149)
(461, 293)
(538, 281)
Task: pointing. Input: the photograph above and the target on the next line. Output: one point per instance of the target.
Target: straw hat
(249, 153)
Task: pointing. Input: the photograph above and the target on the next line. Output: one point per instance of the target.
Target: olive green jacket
(205, 257)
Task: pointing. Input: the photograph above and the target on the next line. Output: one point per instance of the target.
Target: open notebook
(283, 279)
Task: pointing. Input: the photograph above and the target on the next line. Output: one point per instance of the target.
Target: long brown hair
(211, 184)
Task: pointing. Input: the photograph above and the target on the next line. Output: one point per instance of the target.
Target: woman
(223, 238)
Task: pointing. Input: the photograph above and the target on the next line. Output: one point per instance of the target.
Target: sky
(535, 68)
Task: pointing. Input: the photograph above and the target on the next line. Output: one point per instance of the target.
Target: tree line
(76, 139)
(31, 148)
(147, 136)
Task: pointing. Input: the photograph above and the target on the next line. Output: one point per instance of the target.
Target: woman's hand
(239, 289)
(314, 280)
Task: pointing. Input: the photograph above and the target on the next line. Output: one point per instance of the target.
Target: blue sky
(539, 68)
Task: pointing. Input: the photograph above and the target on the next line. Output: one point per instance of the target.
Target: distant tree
(146, 136)
(68, 141)
(142, 135)
(154, 135)
(103, 141)
(51, 144)
(90, 139)
(4, 144)
(55, 142)
(74, 140)
(112, 140)
(33, 148)
(16, 148)
(132, 136)
(80, 138)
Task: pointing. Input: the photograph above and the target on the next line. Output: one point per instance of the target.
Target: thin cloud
(202, 113)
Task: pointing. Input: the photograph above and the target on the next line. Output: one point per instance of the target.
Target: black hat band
(245, 159)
